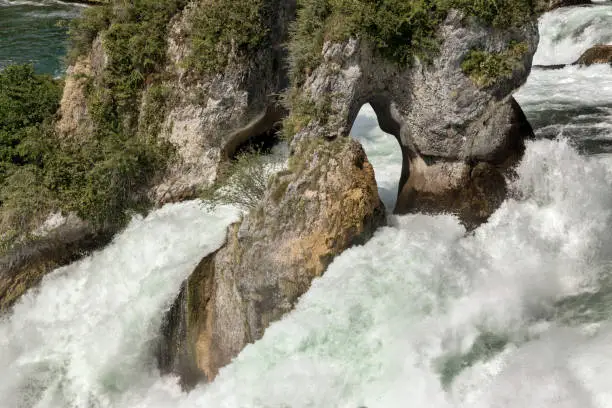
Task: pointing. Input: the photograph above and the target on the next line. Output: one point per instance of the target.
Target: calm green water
(34, 31)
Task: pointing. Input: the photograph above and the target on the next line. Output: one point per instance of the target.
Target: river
(516, 314)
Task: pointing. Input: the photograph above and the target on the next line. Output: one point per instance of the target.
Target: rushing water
(516, 314)
(34, 31)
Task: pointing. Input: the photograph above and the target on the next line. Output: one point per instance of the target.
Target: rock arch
(457, 136)
(367, 130)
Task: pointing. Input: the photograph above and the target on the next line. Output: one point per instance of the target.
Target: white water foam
(381, 326)
(383, 152)
(568, 32)
(85, 336)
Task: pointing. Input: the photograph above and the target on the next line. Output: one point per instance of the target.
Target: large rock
(211, 115)
(451, 129)
(597, 54)
(325, 203)
(457, 138)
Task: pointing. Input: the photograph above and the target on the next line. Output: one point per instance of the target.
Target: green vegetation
(223, 27)
(101, 176)
(400, 30)
(241, 182)
(98, 177)
(27, 105)
(303, 110)
(485, 68)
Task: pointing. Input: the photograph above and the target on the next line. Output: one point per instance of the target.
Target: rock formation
(212, 115)
(452, 131)
(59, 241)
(326, 202)
(597, 54)
(458, 136)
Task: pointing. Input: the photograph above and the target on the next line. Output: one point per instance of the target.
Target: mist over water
(515, 314)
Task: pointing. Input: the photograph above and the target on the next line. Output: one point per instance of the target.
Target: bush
(84, 30)
(26, 101)
(242, 182)
(221, 27)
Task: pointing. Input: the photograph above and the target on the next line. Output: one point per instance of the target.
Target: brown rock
(598, 54)
(325, 203)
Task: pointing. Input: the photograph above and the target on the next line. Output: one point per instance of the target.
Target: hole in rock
(383, 151)
(262, 142)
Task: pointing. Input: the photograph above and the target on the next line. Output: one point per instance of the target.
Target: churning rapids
(516, 314)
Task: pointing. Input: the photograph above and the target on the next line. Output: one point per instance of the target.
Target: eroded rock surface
(212, 115)
(59, 241)
(326, 202)
(447, 126)
(74, 120)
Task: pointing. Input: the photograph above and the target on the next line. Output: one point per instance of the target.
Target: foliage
(27, 105)
(84, 30)
(221, 27)
(123, 154)
(242, 182)
(485, 68)
(400, 30)
(98, 178)
(498, 13)
(26, 101)
(101, 176)
(303, 111)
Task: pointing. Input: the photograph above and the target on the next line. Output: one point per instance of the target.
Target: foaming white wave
(567, 32)
(85, 335)
(574, 101)
(572, 85)
(406, 317)
(383, 152)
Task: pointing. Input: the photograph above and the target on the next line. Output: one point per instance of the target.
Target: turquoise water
(35, 32)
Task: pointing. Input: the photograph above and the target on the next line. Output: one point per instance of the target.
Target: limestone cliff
(212, 114)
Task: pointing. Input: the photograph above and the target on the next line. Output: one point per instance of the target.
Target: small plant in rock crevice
(242, 182)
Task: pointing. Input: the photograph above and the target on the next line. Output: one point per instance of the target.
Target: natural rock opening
(262, 142)
(383, 150)
(261, 134)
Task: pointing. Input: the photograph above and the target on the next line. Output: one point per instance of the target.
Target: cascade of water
(515, 314)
